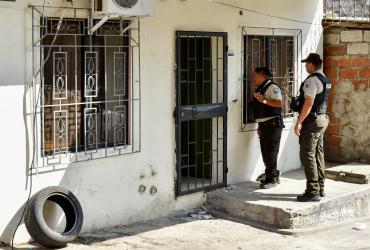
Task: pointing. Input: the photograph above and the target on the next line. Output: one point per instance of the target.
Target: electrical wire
(262, 13)
(34, 120)
(283, 43)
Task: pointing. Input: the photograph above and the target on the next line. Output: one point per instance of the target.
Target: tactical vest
(262, 110)
(320, 104)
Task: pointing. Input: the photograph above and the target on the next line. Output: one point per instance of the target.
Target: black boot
(322, 193)
(308, 197)
(268, 183)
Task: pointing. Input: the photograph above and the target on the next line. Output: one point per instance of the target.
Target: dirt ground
(184, 233)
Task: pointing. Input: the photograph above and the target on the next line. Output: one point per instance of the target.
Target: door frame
(216, 110)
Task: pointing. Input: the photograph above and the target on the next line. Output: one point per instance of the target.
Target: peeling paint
(351, 107)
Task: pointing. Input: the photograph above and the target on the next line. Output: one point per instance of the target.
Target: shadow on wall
(7, 234)
(287, 156)
(249, 160)
(245, 161)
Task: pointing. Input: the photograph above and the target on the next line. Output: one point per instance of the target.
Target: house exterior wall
(347, 63)
(108, 188)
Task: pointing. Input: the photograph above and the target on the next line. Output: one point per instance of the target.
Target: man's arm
(310, 89)
(274, 103)
(270, 102)
(306, 109)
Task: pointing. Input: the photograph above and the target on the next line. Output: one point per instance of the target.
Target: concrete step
(278, 208)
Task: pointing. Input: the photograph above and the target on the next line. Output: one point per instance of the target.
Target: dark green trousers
(270, 135)
(311, 143)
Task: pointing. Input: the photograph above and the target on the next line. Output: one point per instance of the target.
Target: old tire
(36, 224)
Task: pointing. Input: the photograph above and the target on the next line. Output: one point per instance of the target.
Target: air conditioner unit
(125, 8)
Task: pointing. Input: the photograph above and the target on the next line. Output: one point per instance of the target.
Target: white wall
(108, 188)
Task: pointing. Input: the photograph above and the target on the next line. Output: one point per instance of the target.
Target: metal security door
(201, 111)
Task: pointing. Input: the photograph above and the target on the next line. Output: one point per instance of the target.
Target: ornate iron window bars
(88, 96)
(279, 50)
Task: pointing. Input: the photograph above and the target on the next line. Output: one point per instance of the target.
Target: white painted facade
(108, 188)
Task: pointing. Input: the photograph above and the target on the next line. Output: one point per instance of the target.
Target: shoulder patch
(276, 90)
(308, 85)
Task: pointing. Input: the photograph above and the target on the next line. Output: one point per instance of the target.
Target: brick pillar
(347, 63)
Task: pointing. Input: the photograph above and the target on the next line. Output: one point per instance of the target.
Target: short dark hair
(263, 71)
(317, 65)
(315, 59)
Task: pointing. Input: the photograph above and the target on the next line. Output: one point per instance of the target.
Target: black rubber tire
(36, 225)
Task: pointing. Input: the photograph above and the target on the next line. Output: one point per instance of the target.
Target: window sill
(288, 122)
(65, 160)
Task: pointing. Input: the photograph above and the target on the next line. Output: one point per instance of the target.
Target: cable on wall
(34, 115)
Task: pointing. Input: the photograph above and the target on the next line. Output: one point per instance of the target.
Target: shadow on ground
(103, 235)
(134, 229)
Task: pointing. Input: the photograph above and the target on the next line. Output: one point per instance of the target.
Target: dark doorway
(201, 112)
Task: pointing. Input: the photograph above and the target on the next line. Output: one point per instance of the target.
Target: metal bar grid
(278, 50)
(346, 11)
(60, 72)
(91, 74)
(119, 73)
(90, 85)
(120, 116)
(60, 132)
(200, 84)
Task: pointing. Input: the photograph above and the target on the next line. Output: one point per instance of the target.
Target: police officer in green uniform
(267, 106)
(311, 125)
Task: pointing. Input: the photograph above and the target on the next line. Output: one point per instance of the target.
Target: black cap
(313, 58)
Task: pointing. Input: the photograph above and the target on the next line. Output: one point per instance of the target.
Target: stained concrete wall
(347, 63)
(108, 188)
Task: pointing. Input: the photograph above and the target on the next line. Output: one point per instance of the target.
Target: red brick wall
(347, 63)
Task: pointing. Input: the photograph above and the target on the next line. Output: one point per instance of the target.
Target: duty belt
(312, 117)
(274, 122)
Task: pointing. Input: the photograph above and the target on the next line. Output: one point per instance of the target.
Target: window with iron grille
(89, 93)
(346, 10)
(278, 53)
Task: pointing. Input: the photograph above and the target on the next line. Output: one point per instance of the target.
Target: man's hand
(297, 129)
(306, 109)
(259, 97)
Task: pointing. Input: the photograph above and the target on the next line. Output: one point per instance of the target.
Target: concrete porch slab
(278, 208)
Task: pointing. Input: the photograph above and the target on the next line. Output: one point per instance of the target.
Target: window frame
(132, 96)
(246, 31)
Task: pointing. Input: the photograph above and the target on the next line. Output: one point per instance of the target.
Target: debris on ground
(102, 235)
(360, 226)
(353, 173)
(198, 214)
(231, 187)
